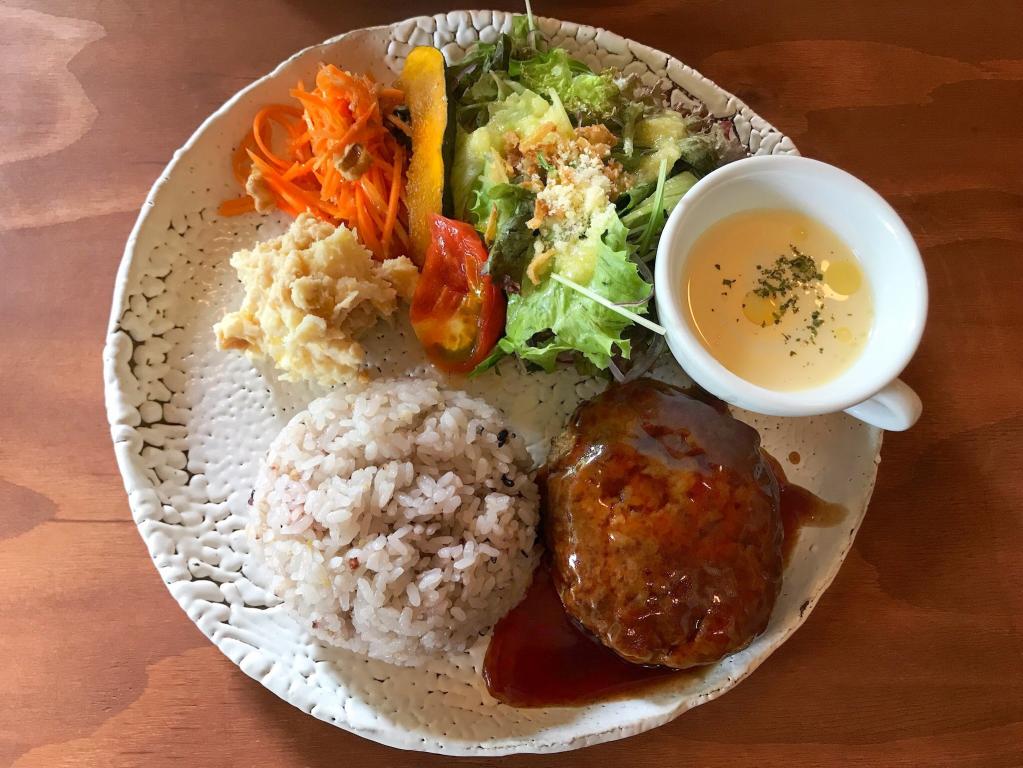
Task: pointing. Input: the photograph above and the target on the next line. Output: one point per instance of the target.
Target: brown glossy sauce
(799, 507)
(539, 658)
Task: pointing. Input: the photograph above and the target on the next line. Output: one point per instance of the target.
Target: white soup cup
(869, 389)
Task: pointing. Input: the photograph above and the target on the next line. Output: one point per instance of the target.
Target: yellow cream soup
(778, 299)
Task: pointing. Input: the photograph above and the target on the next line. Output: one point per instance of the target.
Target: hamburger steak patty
(663, 525)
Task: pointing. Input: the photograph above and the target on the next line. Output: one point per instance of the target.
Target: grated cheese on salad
(574, 202)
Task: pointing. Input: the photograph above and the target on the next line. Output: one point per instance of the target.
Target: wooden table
(915, 655)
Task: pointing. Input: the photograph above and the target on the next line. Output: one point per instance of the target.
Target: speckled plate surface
(190, 425)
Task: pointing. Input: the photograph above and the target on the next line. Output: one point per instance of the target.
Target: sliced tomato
(457, 312)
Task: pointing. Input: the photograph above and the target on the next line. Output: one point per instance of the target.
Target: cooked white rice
(398, 520)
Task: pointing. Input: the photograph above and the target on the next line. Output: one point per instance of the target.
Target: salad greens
(651, 213)
(550, 318)
(512, 238)
(479, 156)
(569, 175)
(590, 98)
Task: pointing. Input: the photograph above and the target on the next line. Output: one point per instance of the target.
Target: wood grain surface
(915, 655)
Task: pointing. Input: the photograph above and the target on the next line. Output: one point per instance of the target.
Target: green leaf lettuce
(548, 319)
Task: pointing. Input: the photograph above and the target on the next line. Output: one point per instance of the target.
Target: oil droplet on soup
(843, 277)
(778, 298)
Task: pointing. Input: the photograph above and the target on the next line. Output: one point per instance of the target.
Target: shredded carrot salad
(333, 156)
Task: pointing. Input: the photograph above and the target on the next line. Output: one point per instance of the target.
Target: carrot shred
(366, 230)
(401, 125)
(299, 169)
(401, 232)
(371, 193)
(393, 200)
(272, 112)
(237, 206)
(333, 154)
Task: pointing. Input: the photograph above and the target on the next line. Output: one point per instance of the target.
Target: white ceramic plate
(190, 425)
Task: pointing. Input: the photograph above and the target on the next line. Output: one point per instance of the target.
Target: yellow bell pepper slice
(422, 80)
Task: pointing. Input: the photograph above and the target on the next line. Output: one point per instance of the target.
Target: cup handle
(894, 408)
